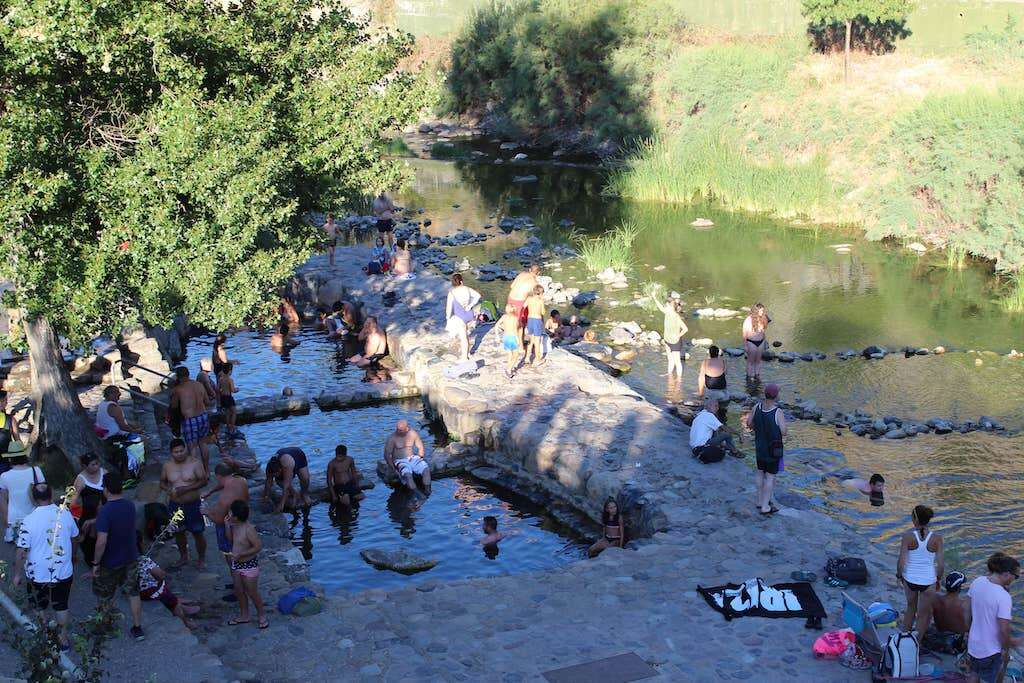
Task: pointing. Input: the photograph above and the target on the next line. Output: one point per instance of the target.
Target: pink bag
(833, 644)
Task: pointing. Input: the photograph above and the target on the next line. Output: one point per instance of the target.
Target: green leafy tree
(159, 156)
(845, 12)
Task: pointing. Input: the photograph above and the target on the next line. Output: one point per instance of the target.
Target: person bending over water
(405, 454)
(375, 344)
(918, 568)
(674, 330)
(614, 529)
(343, 478)
(712, 374)
(284, 467)
(755, 340)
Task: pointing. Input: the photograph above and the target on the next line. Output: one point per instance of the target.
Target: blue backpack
(288, 601)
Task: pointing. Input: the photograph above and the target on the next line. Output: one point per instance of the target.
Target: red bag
(832, 644)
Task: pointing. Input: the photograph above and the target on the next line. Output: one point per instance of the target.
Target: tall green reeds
(612, 250)
(1012, 300)
(709, 167)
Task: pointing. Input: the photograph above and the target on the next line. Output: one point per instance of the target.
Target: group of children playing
(524, 331)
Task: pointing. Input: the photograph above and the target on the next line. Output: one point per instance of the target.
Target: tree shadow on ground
(873, 37)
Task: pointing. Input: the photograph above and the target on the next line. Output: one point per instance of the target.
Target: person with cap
(769, 425)
(15, 503)
(45, 556)
(949, 619)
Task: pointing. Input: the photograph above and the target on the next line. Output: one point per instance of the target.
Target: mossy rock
(396, 560)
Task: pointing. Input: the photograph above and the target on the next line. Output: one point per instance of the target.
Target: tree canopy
(159, 156)
(842, 11)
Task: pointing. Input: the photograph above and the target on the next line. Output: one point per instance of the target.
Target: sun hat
(16, 449)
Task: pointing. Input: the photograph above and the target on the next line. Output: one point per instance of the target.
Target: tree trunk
(61, 421)
(846, 52)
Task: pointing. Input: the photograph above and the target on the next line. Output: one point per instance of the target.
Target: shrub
(611, 250)
(559, 64)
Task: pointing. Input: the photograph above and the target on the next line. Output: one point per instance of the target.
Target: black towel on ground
(756, 598)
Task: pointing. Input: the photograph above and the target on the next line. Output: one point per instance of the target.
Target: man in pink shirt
(989, 619)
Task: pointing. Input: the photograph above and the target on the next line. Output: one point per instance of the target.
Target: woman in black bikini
(613, 527)
(712, 372)
(755, 339)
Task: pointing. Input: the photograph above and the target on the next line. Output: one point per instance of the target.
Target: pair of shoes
(137, 634)
(836, 583)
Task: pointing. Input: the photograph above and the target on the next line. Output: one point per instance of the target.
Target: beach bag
(882, 613)
(832, 644)
(900, 657)
(287, 602)
(849, 569)
(488, 312)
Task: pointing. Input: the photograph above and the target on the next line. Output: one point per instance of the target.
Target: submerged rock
(702, 223)
(399, 561)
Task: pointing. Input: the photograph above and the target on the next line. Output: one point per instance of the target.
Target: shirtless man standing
(183, 476)
(400, 455)
(189, 397)
(384, 209)
(232, 487)
(343, 478)
(522, 287)
(283, 467)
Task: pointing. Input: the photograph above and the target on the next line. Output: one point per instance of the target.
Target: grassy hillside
(927, 148)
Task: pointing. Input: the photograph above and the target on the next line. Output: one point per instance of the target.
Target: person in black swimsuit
(282, 468)
(712, 373)
(613, 529)
(755, 340)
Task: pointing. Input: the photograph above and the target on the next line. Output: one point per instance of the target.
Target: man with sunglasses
(988, 617)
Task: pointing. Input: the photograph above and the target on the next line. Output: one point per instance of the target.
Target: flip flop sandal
(836, 583)
(263, 624)
(771, 511)
(809, 577)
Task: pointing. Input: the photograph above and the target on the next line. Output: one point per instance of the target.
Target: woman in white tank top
(919, 569)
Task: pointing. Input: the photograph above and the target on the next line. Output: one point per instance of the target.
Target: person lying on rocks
(614, 529)
(153, 586)
(405, 454)
(708, 432)
(283, 468)
(375, 344)
(343, 478)
(491, 533)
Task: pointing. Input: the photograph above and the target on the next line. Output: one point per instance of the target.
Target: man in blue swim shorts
(183, 477)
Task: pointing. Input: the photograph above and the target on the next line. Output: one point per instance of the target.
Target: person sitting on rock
(405, 454)
(949, 618)
(571, 331)
(153, 586)
(283, 468)
(711, 377)
(614, 529)
(708, 434)
(491, 533)
(343, 478)
(375, 344)
(553, 326)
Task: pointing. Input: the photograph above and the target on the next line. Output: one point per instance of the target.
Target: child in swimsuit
(614, 531)
(535, 325)
(511, 338)
(245, 564)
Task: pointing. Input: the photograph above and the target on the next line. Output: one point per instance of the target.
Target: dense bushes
(959, 162)
(560, 66)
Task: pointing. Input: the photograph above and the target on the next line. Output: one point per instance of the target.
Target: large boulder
(400, 561)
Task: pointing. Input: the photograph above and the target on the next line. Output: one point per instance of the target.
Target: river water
(447, 527)
(819, 299)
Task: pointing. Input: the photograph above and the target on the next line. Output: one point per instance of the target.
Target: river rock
(896, 434)
(626, 356)
(873, 352)
(939, 350)
(787, 357)
(399, 561)
(509, 146)
(702, 223)
(940, 426)
(519, 157)
(620, 335)
(734, 352)
(584, 299)
(703, 341)
(918, 247)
